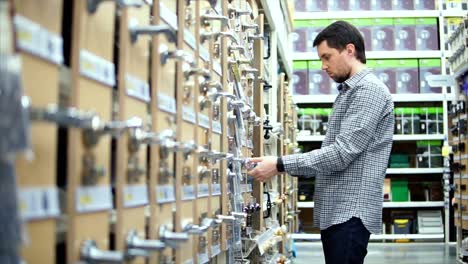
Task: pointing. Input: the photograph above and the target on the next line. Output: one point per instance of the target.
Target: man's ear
(350, 49)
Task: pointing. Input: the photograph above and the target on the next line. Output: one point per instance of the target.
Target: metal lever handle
(206, 85)
(180, 55)
(234, 12)
(194, 229)
(91, 254)
(171, 239)
(249, 70)
(226, 218)
(92, 5)
(135, 242)
(251, 38)
(250, 26)
(240, 48)
(170, 33)
(229, 35)
(205, 18)
(239, 215)
(210, 222)
(197, 72)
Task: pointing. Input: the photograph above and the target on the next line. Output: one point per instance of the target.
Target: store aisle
(386, 253)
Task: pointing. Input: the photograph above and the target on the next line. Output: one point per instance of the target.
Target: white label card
(97, 68)
(204, 121)
(203, 258)
(217, 68)
(33, 38)
(204, 54)
(137, 88)
(165, 194)
(38, 203)
(216, 189)
(135, 195)
(168, 16)
(215, 250)
(189, 114)
(203, 190)
(189, 39)
(167, 103)
(217, 127)
(188, 192)
(93, 198)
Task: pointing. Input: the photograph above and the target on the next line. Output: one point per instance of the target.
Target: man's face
(334, 62)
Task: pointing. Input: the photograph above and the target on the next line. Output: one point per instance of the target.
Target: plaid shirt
(350, 166)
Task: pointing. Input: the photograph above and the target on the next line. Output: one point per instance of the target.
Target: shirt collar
(354, 80)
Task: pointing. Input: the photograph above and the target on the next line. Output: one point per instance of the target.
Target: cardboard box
(403, 4)
(381, 5)
(427, 34)
(424, 5)
(429, 67)
(338, 5)
(405, 33)
(383, 34)
(312, 6)
(359, 5)
(385, 70)
(407, 76)
(300, 75)
(305, 32)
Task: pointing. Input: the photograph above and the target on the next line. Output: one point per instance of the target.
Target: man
(349, 168)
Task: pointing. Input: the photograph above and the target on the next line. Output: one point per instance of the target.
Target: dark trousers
(345, 243)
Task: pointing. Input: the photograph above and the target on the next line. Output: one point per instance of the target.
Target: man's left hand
(265, 169)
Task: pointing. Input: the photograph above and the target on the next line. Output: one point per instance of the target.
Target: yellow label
(446, 151)
(86, 199)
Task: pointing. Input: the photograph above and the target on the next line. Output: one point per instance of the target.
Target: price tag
(168, 16)
(188, 192)
(97, 68)
(135, 195)
(38, 203)
(165, 194)
(33, 38)
(137, 88)
(167, 103)
(203, 190)
(217, 127)
(204, 121)
(216, 189)
(93, 198)
(189, 114)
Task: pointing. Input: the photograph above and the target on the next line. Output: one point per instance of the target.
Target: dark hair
(341, 33)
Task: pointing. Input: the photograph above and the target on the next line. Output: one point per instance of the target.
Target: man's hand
(265, 169)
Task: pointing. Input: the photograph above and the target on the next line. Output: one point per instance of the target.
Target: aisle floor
(386, 253)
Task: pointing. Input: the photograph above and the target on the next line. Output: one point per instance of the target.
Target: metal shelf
(395, 54)
(389, 204)
(379, 14)
(415, 170)
(378, 237)
(302, 138)
(330, 98)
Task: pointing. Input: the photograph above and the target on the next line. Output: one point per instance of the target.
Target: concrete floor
(386, 253)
